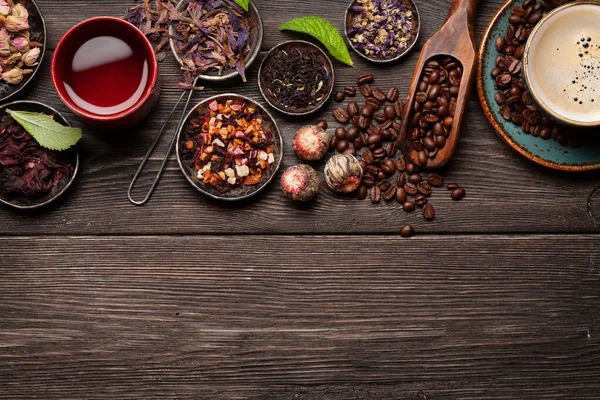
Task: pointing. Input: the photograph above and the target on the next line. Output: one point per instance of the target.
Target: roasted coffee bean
(350, 151)
(422, 158)
(452, 186)
(352, 108)
(448, 122)
(362, 192)
(379, 95)
(352, 133)
(399, 107)
(322, 124)
(350, 91)
(420, 200)
(429, 143)
(375, 194)
(397, 126)
(363, 122)
(368, 157)
(454, 90)
(428, 212)
(368, 181)
(379, 154)
(384, 185)
(380, 176)
(500, 99)
(412, 169)
(364, 78)
(388, 167)
(339, 97)
(374, 139)
(358, 144)
(424, 188)
(386, 125)
(435, 180)
(390, 194)
(392, 95)
(458, 194)
(372, 101)
(422, 87)
(380, 117)
(363, 166)
(501, 43)
(367, 110)
(415, 178)
(434, 92)
(407, 231)
(401, 180)
(409, 206)
(366, 90)
(342, 146)
(389, 111)
(341, 133)
(341, 115)
(400, 164)
(391, 149)
(333, 144)
(421, 97)
(410, 188)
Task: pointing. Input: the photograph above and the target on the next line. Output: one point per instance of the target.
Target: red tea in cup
(105, 70)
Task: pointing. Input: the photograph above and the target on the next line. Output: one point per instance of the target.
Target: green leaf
(242, 3)
(323, 31)
(46, 131)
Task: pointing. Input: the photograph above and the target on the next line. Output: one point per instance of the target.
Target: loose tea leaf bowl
(27, 203)
(350, 14)
(287, 45)
(37, 30)
(255, 39)
(189, 170)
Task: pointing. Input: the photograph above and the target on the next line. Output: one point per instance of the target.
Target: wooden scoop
(454, 39)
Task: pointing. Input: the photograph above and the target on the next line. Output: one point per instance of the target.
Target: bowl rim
(304, 43)
(492, 120)
(77, 158)
(40, 60)
(252, 54)
(527, 73)
(184, 124)
(148, 91)
(386, 60)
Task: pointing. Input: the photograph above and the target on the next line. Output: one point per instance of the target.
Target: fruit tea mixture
(230, 147)
(26, 168)
(210, 35)
(515, 101)
(373, 136)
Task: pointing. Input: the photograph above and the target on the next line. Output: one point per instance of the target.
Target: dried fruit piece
(300, 183)
(311, 143)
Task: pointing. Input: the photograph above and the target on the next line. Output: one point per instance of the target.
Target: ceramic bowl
(350, 14)
(255, 39)
(548, 153)
(25, 202)
(37, 30)
(289, 46)
(189, 170)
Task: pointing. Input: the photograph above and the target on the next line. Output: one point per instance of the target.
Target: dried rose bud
(4, 35)
(4, 8)
(19, 11)
(12, 59)
(20, 43)
(5, 50)
(30, 58)
(16, 24)
(13, 76)
(300, 183)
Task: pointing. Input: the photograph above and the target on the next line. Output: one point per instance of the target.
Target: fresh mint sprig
(46, 131)
(242, 3)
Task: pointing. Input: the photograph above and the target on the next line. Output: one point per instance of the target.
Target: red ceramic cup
(89, 47)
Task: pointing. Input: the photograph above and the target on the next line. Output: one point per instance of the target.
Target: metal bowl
(287, 45)
(255, 38)
(37, 30)
(350, 14)
(24, 202)
(189, 170)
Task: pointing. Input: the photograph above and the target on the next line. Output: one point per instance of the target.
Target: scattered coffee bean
(352, 109)
(400, 164)
(435, 180)
(428, 212)
(362, 192)
(390, 194)
(409, 206)
(375, 194)
(339, 97)
(341, 133)
(401, 195)
(401, 180)
(410, 188)
(364, 78)
(393, 94)
(379, 95)
(366, 90)
(420, 200)
(458, 194)
(424, 188)
(415, 178)
(452, 186)
(407, 231)
(341, 115)
(322, 124)
(350, 91)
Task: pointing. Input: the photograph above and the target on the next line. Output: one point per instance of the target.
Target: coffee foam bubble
(564, 63)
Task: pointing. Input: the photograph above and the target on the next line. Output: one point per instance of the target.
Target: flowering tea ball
(343, 173)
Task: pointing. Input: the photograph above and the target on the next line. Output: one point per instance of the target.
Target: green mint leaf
(242, 3)
(323, 31)
(46, 131)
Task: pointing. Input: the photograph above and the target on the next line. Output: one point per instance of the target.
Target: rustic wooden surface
(188, 298)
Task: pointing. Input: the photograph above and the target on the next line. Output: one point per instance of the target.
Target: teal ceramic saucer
(545, 152)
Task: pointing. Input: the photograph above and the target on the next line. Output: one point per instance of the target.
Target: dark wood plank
(335, 317)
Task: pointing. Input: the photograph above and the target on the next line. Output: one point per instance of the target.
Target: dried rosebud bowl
(37, 33)
(185, 159)
(351, 13)
(28, 203)
(255, 38)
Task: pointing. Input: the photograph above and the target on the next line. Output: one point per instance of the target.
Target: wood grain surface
(187, 298)
(272, 317)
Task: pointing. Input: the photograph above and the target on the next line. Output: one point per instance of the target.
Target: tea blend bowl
(27, 203)
(255, 38)
(189, 170)
(288, 46)
(37, 31)
(352, 12)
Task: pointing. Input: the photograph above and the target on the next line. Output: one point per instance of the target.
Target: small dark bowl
(288, 46)
(189, 170)
(24, 202)
(350, 14)
(255, 38)
(37, 32)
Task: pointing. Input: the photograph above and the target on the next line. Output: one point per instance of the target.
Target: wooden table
(187, 298)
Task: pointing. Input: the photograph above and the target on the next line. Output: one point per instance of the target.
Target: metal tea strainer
(255, 39)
